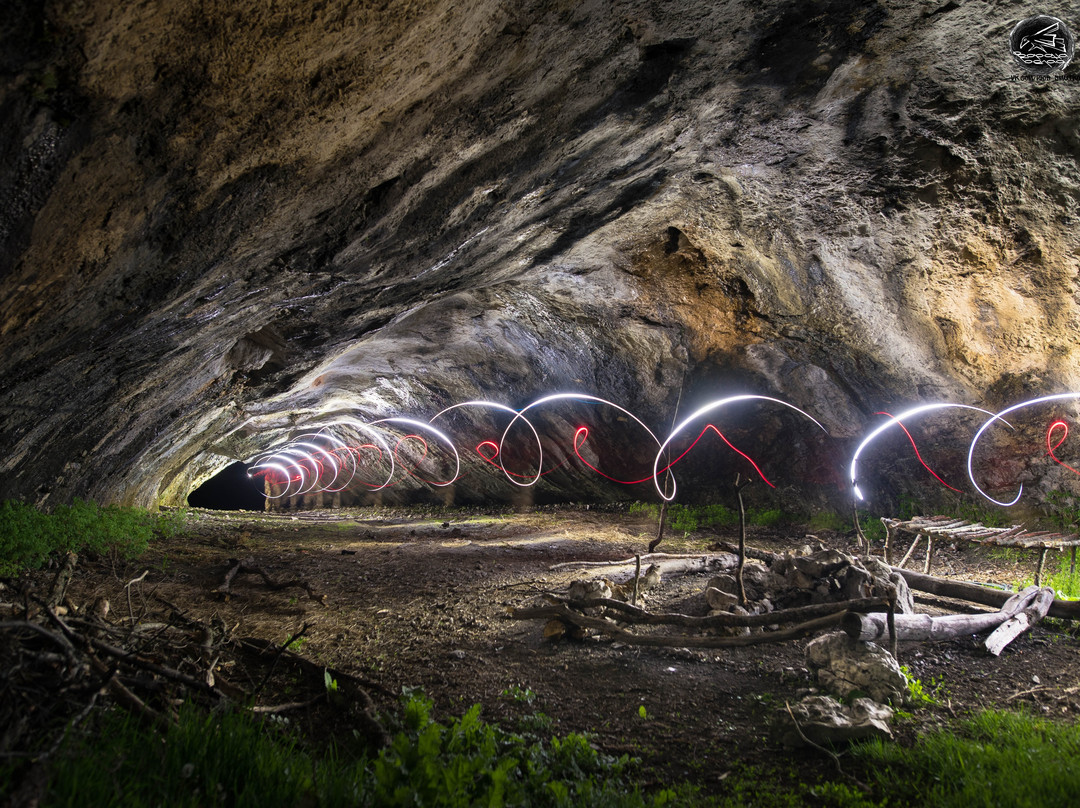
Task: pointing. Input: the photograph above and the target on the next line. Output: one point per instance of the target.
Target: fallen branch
(960, 590)
(606, 626)
(638, 616)
(1018, 614)
(668, 564)
(1031, 612)
(659, 557)
(247, 566)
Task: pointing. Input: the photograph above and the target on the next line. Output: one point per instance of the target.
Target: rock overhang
(620, 205)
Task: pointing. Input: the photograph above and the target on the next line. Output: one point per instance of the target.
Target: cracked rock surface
(221, 224)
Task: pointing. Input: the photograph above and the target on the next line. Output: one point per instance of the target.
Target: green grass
(233, 759)
(688, 518)
(993, 759)
(1066, 585)
(29, 536)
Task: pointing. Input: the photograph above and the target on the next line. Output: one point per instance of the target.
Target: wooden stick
(637, 616)
(63, 577)
(910, 550)
(739, 486)
(605, 626)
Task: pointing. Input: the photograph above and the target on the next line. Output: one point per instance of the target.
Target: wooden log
(605, 626)
(960, 590)
(1020, 622)
(637, 616)
(668, 564)
(1017, 615)
(921, 627)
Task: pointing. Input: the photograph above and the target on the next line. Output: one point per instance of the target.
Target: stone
(827, 722)
(845, 666)
(588, 590)
(719, 599)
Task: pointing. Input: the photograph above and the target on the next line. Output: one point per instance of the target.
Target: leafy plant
(523, 695)
(234, 759)
(827, 520)
(1064, 581)
(918, 695)
(683, 519)
(647, 509)
(29, 536)
(766, 517)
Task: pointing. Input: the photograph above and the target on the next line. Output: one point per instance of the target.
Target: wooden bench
(951, 529)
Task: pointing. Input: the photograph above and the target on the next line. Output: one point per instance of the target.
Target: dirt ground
(413, 599)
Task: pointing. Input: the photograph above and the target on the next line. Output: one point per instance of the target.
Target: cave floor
(420, 599)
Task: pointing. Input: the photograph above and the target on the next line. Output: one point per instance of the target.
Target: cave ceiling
(224, 225)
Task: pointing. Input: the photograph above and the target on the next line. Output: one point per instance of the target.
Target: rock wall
(221, 223)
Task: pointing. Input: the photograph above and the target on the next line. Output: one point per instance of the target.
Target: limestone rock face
(222, 225)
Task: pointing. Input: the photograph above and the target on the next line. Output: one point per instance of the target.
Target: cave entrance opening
(229, 490)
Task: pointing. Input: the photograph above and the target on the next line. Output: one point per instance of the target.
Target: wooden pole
(659, 528)
(859, 535)
(740, 484)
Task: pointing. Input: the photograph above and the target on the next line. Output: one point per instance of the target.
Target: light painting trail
(498, 453)
(893, 420)
(575, 397)
(279, 467)
(971, 449)
(1059, 424)
(421, 425)
(698, 414)
(332, 458)
(918, 455)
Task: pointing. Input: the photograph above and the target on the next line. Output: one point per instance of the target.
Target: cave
(330, 262)
(480, 203)
(231, 489)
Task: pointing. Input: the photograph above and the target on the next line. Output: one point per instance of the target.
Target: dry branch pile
(862, 596)
(61, 659)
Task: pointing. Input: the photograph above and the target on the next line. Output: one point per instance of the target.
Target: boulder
(845, 666)
(825, 721)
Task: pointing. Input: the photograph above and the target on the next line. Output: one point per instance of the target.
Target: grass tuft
(29, 536)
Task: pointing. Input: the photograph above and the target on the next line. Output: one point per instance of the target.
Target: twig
(292, 705)
(127, 589)
(740, 484)
(277, 658)
(248, 566)
(808, 742)
(1027, 692)
(59, 639)
(74, 722)
(63, 577)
